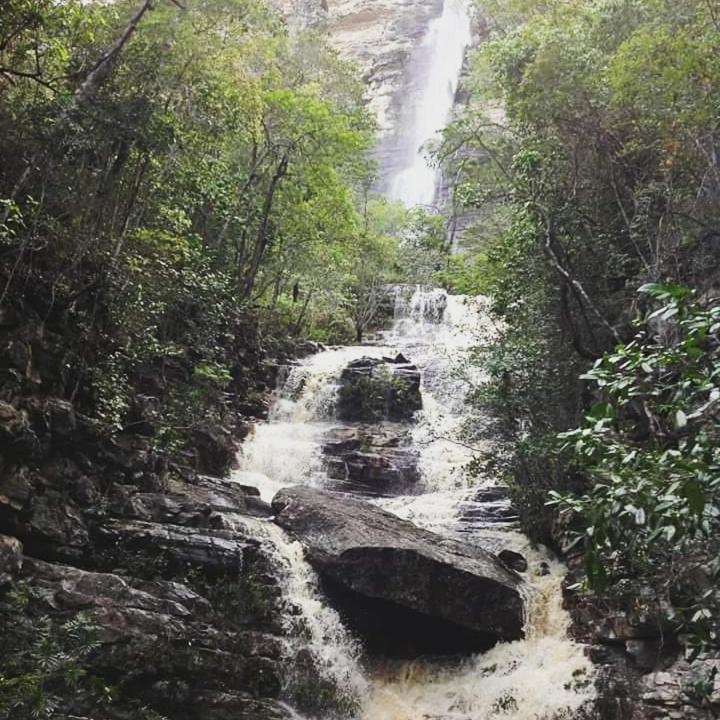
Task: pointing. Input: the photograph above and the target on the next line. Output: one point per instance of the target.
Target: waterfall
(546, 676)
(435, 75)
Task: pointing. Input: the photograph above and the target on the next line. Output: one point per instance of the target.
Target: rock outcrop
(379, 37)
(168, 643)
(372, 459)
(405, 589)
(377, 389)
(179, 585)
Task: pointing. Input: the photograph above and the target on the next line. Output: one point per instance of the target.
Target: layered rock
(167, 642)
(376, 459)
(379, 37)
(405, 589)
(180, 587)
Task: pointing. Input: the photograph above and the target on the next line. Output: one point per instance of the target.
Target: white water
(545, 676)
(442, 51)
(312, 625)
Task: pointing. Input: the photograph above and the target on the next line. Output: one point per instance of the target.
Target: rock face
(377, 389)
(372, 459)
(406, 590)
(169, 636)
(379, 36)
(180, 585)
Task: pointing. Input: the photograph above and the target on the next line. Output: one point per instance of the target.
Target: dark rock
(15, 488)
(399, 359)
(342, 440)
(57, 527)
(209, 549)
(489, 506)
(60, 417)
(307, 347)
(543, 569)
(403, 587)
(645, 653)
(160, 636)
(377, 458)
(12, 421)
(513, 560)
(131, 452)
(392, 469)
(11, 558)
(17, 437)
(372, 389)
(214, 449)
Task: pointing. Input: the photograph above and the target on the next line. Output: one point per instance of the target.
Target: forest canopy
(590, 147)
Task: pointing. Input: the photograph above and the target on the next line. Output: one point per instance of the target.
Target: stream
(543, 677)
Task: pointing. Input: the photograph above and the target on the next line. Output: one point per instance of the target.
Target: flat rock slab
(408, 591)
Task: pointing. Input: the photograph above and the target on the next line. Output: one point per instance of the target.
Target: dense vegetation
(601, 182)
(177, 177)
(184, 193)
(185, 188)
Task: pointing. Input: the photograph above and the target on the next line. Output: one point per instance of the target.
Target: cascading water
(543, 677)
(436, 72)
(311, 624)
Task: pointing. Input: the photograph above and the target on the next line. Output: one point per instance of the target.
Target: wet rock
(198, 505)
(405, 589)
(377, 458)
(392, 469)
(543, 569)
(513, 560)
(373, 389)
(164, 640)
(213, 550)
(489, 506)
(399, 359)
(11, 558)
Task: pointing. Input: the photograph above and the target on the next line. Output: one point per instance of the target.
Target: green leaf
(695, 496)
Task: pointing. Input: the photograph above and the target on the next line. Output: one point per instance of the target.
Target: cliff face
(378, 35)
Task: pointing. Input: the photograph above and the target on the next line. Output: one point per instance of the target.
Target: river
(545, 676)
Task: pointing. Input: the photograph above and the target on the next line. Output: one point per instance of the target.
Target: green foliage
(211, 174)
(650, 446)
(44, 659)
(596, 178)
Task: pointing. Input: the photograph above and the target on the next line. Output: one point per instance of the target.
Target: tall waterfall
(546, 676)
(435, 74)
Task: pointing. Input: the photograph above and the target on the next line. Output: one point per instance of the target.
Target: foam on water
(543, 677)
(311, 624)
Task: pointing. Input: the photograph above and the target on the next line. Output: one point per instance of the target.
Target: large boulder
(376, 389)
(406, 590)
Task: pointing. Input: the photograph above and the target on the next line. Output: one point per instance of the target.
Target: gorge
(359, 360)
